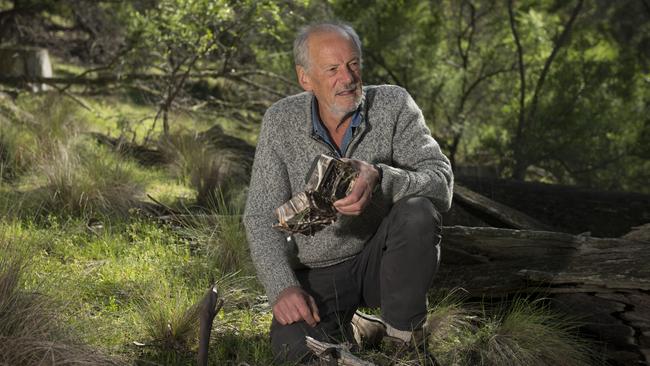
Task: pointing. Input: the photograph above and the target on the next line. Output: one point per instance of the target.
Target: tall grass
(519, 333)
(30, 331)
(530, 333)
(170, 319)
(220, 238)
(208, 170)
(84, 179)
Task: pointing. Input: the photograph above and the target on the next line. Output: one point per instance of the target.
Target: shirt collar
(317, 124)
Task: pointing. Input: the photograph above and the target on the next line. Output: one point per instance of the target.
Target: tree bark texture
(605, 282)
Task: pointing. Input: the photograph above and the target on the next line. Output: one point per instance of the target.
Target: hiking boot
(368, 330)
(412, 352)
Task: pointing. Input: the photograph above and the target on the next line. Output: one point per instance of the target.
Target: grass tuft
(30, 333)
(170, 320)
(530, 333)
(211, 173)
(83, 180)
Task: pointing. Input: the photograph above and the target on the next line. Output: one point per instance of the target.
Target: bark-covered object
(603, 281)
(569, 209)
(494, 212)
(308, 212)
(639, 233)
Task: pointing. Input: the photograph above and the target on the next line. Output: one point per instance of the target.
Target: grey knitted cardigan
(393, 134)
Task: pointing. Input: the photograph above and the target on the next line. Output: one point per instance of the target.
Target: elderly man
(383, 250)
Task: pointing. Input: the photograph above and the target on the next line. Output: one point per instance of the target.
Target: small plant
(171, 320)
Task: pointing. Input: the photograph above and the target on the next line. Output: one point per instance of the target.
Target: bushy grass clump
(84, 179)
(31, 332)
(522, 332)
(211, 172)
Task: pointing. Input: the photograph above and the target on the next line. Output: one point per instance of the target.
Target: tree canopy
(553, 91)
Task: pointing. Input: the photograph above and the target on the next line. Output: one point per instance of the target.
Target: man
(383, 250)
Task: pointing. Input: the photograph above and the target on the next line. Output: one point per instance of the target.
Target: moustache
(348, 88)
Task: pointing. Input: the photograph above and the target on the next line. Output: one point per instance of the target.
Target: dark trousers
(394, 272)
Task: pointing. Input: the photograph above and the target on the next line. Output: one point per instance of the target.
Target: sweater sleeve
(419, 167)
(269, 188)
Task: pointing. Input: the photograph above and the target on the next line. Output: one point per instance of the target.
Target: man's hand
(293, 305)
(354, 203)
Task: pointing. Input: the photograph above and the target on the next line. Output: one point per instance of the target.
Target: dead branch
(210, 306)
(334, 354)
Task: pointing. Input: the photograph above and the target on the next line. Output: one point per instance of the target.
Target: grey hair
(300, 49)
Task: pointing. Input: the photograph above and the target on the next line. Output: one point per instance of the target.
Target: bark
(603, 282)
(210, 306)
(335, 354)
(507, 216)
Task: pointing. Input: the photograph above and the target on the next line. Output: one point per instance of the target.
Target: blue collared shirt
(321, 131)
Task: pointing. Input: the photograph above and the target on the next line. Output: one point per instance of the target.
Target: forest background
(174, 92)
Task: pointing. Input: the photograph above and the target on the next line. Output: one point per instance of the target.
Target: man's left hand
(354, 203)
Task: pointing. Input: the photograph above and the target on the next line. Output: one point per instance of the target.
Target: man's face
(334, 73)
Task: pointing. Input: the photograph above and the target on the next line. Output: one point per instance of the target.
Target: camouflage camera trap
(308, 212)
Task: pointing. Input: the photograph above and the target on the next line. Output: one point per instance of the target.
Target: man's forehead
(320, 39)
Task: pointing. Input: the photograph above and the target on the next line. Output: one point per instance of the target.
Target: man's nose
(348, 76)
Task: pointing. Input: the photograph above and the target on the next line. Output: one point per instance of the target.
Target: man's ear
(303, 78)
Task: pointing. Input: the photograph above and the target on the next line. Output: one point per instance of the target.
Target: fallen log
(603, 282)
(492, 261)
(495, 211)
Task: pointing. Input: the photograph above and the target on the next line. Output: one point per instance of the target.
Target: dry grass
(83, 180)
(531, 334)
(209, 171)
(30, 333)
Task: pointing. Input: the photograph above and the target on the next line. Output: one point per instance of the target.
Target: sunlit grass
(32, 331)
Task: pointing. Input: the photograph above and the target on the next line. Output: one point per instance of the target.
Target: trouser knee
(419, 217)
(288, 342)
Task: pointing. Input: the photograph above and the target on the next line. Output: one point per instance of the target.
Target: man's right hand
(293, 305)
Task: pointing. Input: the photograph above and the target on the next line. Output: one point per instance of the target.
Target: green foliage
(459, 61)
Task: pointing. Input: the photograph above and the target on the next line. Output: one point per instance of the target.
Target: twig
(334, 353)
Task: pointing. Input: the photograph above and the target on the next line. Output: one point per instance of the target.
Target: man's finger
(354, 196)
(314, 309)
(357, 207)
(305, 313)
(279, 314)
